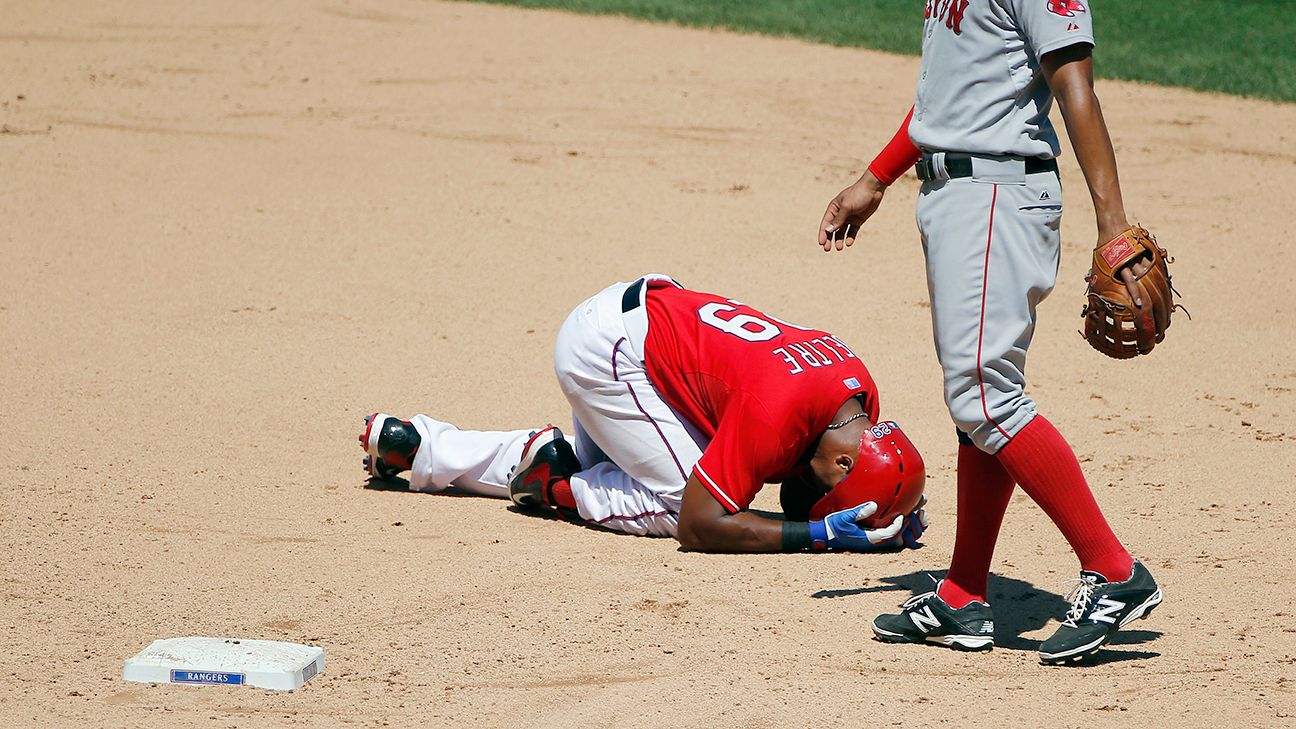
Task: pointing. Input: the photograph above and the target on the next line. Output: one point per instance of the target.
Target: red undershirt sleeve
(898, 156)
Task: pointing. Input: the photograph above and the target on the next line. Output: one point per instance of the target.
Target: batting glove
(915, 523)
(842, 530)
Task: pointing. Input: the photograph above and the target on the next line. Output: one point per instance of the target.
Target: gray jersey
(981, 90)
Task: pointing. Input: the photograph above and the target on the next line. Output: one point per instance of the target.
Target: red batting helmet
(887, 470)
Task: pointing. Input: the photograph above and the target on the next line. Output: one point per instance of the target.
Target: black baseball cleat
(389, 444)
(1098, 609)
(926, 618)
(547, 459)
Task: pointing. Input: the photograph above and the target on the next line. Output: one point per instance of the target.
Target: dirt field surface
(233, 229)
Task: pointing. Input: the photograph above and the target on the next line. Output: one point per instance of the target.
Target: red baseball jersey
(761, 389)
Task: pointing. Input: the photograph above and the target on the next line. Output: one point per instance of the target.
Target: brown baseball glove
(1131, 262)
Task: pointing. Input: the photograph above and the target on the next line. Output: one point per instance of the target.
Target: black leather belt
(960, 165)
(632, 297)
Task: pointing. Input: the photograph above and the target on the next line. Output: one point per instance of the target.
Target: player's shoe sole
(389, 444)
(975, 643)
(1099, 611)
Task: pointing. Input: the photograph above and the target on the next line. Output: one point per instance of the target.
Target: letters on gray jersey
(980, 88)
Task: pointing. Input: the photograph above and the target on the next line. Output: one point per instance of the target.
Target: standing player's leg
(985, 378)
(992, 251)
(956, 219)
(984, 488)
(987, 275)
(989, 263)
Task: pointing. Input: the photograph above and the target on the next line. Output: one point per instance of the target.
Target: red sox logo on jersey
(1065, 8)
(950, 11)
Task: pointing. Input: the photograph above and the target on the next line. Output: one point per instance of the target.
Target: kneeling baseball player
(684, 404)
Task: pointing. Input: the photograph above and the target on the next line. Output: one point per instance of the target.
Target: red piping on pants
(985, 275)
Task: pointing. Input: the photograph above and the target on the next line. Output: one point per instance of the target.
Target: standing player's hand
(844, 530)
(1129, 275)
(848, 211)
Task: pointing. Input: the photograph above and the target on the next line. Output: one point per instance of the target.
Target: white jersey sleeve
(1049, 25)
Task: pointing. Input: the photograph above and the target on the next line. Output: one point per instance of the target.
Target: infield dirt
(233, 229)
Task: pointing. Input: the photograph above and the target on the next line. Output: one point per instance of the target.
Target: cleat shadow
(1126, 636)
(1104, 657)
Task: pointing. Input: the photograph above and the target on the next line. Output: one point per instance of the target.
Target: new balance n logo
(924, 620)
(1106, 609)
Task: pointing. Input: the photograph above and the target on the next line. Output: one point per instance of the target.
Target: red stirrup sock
(984, 488)
(560, 494)
(1039, 459)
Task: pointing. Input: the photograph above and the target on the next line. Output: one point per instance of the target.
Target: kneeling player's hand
(915, 523)
(843, 530)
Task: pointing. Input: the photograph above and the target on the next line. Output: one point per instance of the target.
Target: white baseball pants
(636, 452)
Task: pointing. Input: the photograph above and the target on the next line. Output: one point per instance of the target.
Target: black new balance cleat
(389, 444)
(1098, 609)
(547, 459)
(926, 618)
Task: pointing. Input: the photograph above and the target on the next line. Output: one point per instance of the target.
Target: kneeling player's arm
(705, 526)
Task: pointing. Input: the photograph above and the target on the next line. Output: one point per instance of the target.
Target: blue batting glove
(842, 530)
(914, 525)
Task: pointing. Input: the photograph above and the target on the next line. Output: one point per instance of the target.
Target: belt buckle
(924, 168)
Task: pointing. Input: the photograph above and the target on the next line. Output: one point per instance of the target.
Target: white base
(226, 662)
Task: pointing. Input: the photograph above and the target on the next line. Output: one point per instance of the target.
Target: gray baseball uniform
(980, 89)
(991, 204)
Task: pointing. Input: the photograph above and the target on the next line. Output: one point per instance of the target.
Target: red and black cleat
(389, 444)
(548, 461)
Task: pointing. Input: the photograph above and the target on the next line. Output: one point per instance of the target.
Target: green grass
(1245, 47)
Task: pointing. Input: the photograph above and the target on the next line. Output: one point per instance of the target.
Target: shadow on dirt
(1019, 607)
(397, 484)
(400, 485)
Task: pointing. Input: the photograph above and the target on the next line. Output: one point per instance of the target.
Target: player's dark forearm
(741, 532)
(1069, 74)
(705, 526)
(1093, 150)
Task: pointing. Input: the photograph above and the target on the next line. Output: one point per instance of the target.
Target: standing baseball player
(989, 213)
(684, 405)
